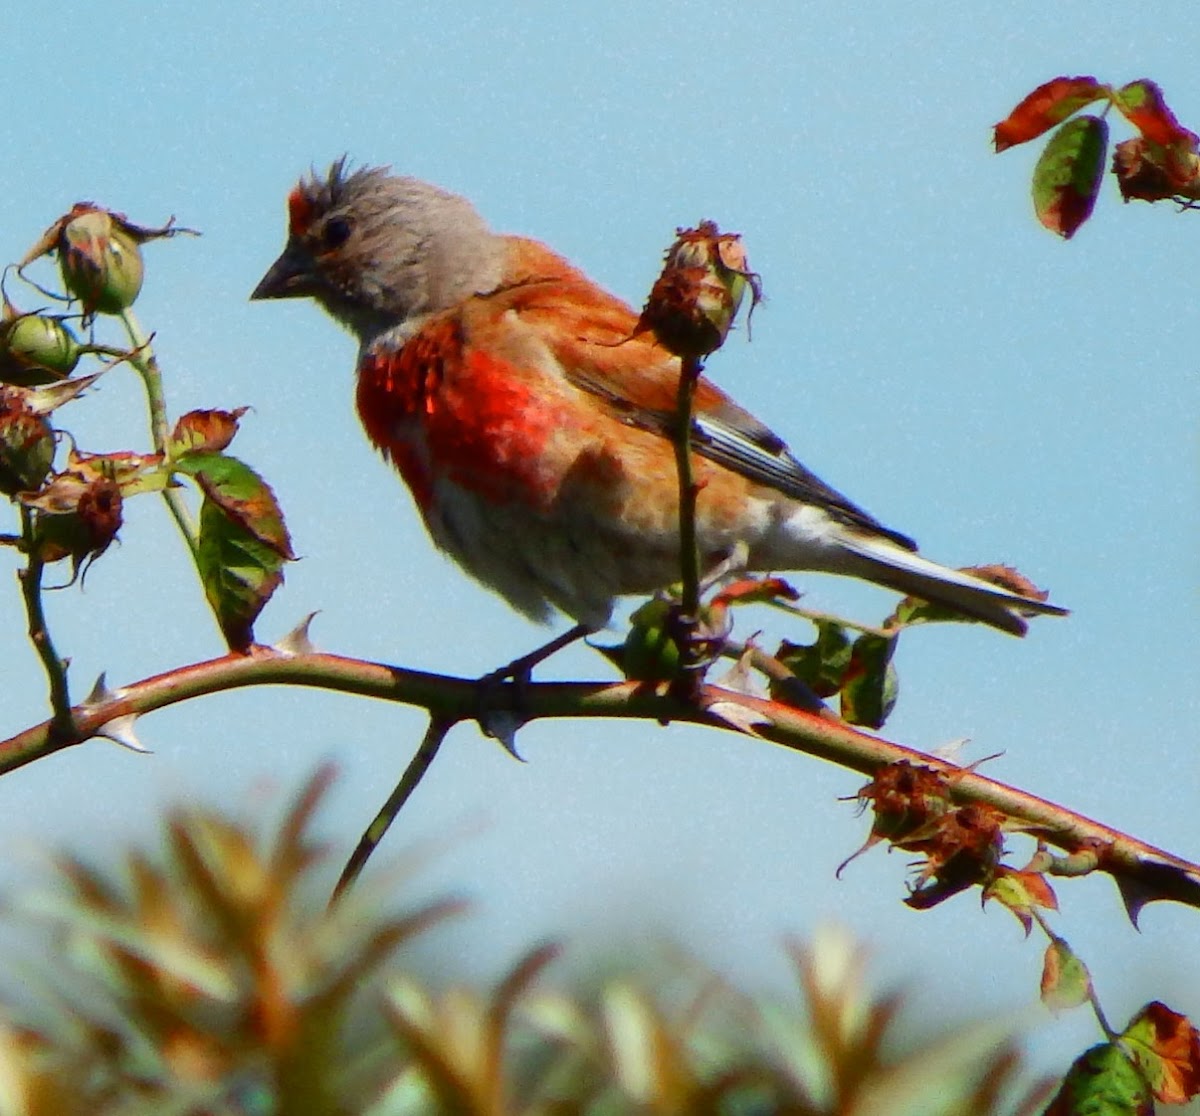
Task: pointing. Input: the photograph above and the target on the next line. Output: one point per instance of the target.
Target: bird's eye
(335, 233)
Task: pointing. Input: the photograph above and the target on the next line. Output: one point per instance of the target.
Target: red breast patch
(480, 421)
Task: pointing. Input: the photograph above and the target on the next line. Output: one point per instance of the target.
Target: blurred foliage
(211, 978)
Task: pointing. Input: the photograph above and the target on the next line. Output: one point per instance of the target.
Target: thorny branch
(1142, 872)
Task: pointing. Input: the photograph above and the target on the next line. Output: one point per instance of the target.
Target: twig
(684, 619)
(413, 774)
(827, 617)
(62, 722)
(146, 363)
(689, 558)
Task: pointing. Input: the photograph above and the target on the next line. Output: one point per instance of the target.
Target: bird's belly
(535, 560)
(569, 558)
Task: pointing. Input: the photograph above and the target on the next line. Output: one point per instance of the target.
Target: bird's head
(380, 251)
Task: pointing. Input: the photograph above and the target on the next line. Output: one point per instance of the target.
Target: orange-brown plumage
(532, 422)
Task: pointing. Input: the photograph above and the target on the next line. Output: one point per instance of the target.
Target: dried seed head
(698, 294)
(26, 444)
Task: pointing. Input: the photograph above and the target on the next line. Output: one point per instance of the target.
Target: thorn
(120, 731)
(101, 694)
(740, 678)
(952, 751)
(737, 716)
(297, 642)
(501, 725)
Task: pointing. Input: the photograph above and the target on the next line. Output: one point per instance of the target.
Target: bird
(533, 422)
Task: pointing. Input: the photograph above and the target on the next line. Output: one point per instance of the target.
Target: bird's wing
(592, 337)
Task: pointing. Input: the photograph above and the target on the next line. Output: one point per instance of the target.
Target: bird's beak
(290, 276)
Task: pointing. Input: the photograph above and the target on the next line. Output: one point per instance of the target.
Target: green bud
(36, 349)
(650, 654)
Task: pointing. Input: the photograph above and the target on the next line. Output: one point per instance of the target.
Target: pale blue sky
(926, 348)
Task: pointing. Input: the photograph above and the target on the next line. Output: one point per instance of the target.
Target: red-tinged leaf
(240, 573)
(1166, 1048)
(716, 623)
(243, 542)
(1143, 105)
(1046, 106)
(1066, 982)
(1102, 1082)
(1008, 577)
(204, 431)
(242, 494)
(756, 590)
(133, 473)
(1067, 177)
(871, 686)
(1021, 892)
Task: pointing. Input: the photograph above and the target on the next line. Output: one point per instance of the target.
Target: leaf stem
(1092, 996)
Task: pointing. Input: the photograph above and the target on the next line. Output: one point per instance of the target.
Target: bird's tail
(882, 561)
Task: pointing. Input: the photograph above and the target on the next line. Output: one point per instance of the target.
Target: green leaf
(1067, 177)
(1102, 1082)
(872, 685)
(243, 542)
(822, 663)
(913, 610)
(1066, 982)
(240, 573)
(242, 494)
